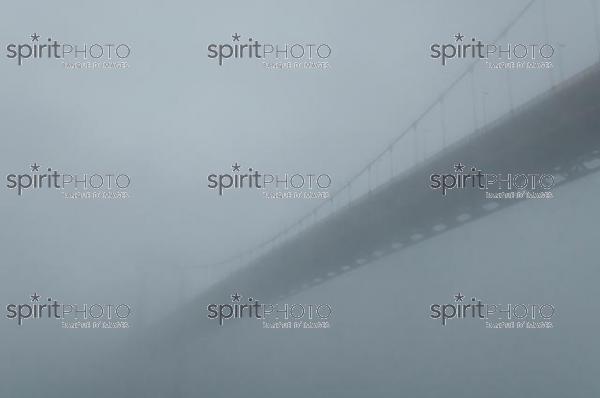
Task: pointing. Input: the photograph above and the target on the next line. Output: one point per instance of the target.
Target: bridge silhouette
(555, 133)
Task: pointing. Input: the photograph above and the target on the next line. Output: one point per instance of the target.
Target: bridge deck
(555, 133)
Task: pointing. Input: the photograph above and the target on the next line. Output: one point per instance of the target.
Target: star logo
(35, 167)
(458, 37)
(459, 297)
(35, 37)
(236, 167)
(459, 168)
(236, 37)
(35, 297)
(235, 297)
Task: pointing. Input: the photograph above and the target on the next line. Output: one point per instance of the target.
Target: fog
(175, 116)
